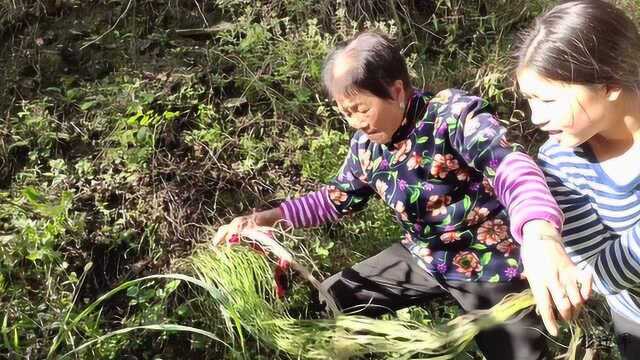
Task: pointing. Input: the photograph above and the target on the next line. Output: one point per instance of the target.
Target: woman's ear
(397, 92)
(613, 92)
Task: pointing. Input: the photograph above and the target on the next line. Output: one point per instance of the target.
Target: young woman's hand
(237, 225)
(553, 277)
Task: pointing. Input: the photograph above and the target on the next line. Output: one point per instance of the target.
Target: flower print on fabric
(381, 187)
(488, 188)
(467, 263)
(402, 185)
(437, 205)
(407, 240)
(450, 237)
(462, 174)
(425, 254)
(402, 150)
(430, 176)
(487, 133)
(506, 247)
(475, 131)
(399, 208)
(442, 268)
(505, 143)
(336, 195)
(475, 186)
(442, 165)
(351, 182)
(457, 107)
(414, 161)
(427, 186)
(472, 126)
(477, 215)
(365, 159)
(441, 127)
(511, 272)
(492, 232)
(493, 164)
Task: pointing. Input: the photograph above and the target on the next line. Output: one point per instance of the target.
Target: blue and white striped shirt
(602, 222)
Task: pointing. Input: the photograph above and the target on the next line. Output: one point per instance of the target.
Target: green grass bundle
(249, 303)
(239, 282)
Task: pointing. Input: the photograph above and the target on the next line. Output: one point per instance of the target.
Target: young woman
(579, 67)
(464, 196)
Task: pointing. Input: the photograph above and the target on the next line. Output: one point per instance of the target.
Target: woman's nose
(538, 118)
(356, 122)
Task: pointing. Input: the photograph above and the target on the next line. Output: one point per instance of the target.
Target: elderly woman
(464, 196)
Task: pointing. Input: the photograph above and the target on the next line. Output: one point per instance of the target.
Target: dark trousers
(392, 280)
(627, 336)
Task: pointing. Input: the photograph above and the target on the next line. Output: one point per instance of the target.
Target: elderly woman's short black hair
(369, 61)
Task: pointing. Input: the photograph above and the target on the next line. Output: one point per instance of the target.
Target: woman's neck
(623, 131)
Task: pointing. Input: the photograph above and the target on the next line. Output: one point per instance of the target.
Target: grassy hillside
(132, 129)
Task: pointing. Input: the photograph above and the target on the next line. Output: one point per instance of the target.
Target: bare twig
(111, 28)
(205, 31)
(201, 14)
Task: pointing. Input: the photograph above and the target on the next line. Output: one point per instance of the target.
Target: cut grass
(239, 281)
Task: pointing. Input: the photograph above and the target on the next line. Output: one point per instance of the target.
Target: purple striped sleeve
(303, 210)
(310, 210)
(521, 187)
(287, 214)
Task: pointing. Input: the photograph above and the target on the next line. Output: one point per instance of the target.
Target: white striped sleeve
(614, 259)
(618, 264)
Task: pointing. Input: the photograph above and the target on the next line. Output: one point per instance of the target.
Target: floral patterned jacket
(437, 175)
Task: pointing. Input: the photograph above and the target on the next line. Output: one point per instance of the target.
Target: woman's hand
(225, 232)
(553, 277)
(237, 225)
